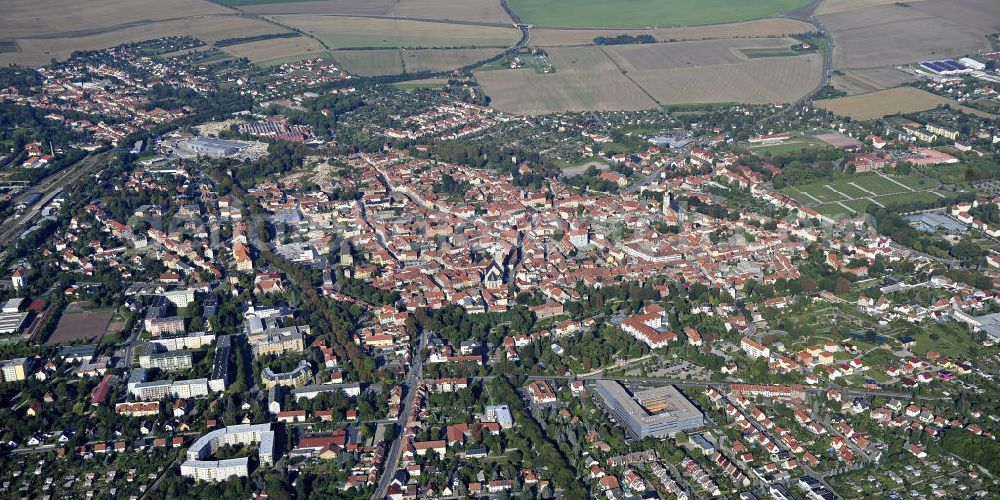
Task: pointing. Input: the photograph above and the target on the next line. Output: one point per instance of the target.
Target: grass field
(645, 13)
(353, 32)
(851, 195)
(890, 102)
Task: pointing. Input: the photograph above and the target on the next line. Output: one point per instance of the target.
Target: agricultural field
(920, 30)
(850, 196)
(42, 32)
(284, 49)
(760, 28)
(646, 13)
(585, 79)
(443, 59)
(64, 18)
(890, 102)
(655, 56)
(370, 62)
(761, 81)
(648, 75)
(353, 32)
(860, 81)
(487, 11)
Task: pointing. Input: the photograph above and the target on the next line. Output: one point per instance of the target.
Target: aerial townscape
(552, 249)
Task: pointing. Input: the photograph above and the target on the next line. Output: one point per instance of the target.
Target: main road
(411, 384)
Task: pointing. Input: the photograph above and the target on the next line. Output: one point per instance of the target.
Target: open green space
(829, 197)
(646, 13)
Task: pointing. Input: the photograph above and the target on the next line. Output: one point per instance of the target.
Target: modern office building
(658, 412)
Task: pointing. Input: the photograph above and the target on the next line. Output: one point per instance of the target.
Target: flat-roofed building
(14, 370)
(295, 378)
(658, 412)
(155, 356)
(192, 340)
(279, 341)
(219, 380)
(197, 467)
(166, 326)
(12, 322)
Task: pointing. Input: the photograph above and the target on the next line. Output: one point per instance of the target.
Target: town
(234, 279)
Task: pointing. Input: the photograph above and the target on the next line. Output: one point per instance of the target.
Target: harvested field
(654, 56)
(370, 62)
(654, 74)
(444, 59)
(861, 41)
(64, 18)
(585, 79)
(278, 48)
(348, 32)
(75, 326)
(834, 6)
(890, 102)
(646, 13)
(749, 29)
(758, 81)
(207, 28)
(329, 7)
(860, 81)
(487, 11)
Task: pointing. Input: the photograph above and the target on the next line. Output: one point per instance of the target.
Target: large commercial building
(214, 147)
(220, 470)
(658, 412)
(156, 356)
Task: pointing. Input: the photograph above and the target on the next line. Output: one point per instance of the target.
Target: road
(396, 448)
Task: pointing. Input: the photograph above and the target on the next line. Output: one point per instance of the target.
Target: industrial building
(214, 147)
(658, 412)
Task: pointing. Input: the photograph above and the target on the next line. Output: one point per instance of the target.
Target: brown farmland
(749, 29)
(890, 102)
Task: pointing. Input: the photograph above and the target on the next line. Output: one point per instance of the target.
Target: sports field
(850, 196)
(646, 13)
